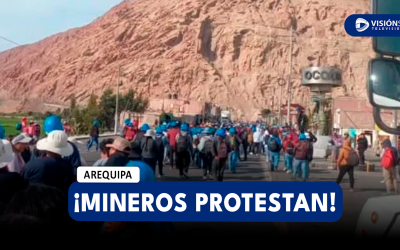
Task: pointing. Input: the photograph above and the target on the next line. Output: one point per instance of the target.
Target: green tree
(107, 109)
(72, 102)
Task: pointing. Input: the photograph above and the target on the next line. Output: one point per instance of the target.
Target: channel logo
(373, 25)
(361, 24)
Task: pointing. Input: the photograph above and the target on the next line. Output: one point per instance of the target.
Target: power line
(10, 41)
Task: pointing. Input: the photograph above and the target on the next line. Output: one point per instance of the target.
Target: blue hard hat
(232, 130)
(185, 127)
(52, 123)
(2, 133)
(96, 123)
(145, 127)
(127, 121)
(18, 126)
(302, 137)
(221, 133)
(159, 130)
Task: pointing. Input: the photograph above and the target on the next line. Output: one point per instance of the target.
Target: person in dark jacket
(52, 170)
(302, 157)
(149, 149)
(234, 154)
(362, 145)
(94, 136)
(222, 150)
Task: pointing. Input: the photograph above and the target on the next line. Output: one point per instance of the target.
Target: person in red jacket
(129, 132)
(288, 147)
(171, 135)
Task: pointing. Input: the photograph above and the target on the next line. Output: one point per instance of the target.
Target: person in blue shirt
(274, 147)
(136, 160)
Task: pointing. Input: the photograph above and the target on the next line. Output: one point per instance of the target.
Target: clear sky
(29, 21)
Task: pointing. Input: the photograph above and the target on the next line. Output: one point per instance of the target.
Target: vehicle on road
(380, 218)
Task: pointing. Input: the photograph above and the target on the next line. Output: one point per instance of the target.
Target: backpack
(208, 147)
(290, 148)
(273, 145)
(182, 143)
(222, 150)
(388, 159)
(266, 139)
(148, 147)
(353, 159)
(302, 151)
(160, 143)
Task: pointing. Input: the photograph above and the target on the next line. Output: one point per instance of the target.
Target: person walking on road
(362, 146)
(137, 140)
(161, 142)
(207, 153)
(302, 155)
(234, 146)
(265, 144)
(149, 149)
(288, 147)
(250, 140)
(171, 135)
(184, 150)
(389, 162)
(258, 139)
(346, 162)
(94, 136)
(222, 149)
(274, 147)
(337, 143)
(129, 131)
(245, 143)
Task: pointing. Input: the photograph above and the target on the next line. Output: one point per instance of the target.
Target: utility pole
(290, 72)
(116, 102)
(281, 83)
(395, 126)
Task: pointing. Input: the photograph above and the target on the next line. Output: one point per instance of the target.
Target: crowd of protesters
(35, 174)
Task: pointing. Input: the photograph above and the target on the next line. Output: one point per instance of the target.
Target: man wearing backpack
(222, 149)
(389, 162)
(161, 141)
(346, 161)
(184, 150)
(149, 149)
(171, 135)
(234, 145)
(137, 140)
(274, 148)
(245, 144)
(207, 153)
(288, 147)
(302, 156)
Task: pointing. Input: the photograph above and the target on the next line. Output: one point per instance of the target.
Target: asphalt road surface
(367, 185)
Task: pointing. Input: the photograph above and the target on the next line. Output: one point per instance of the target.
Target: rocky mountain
(230, 52)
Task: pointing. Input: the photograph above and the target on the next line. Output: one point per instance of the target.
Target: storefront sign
(322, 76)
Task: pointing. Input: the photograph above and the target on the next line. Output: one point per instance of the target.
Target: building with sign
(321, 80)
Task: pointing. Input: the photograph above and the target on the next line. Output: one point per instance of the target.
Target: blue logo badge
(373, 25)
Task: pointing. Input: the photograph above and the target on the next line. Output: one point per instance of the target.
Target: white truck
(225, 116)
